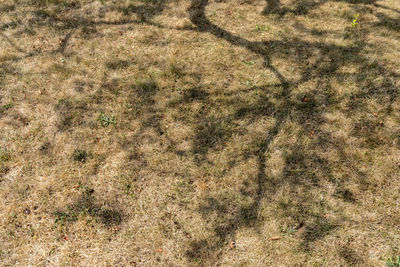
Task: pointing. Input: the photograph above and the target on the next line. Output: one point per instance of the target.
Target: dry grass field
(199, 132)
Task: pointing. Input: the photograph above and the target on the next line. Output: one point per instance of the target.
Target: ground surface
(199, 133)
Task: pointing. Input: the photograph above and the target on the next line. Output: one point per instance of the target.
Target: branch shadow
(302, 169)
(303, 165)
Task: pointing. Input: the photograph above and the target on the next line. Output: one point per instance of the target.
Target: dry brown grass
(156, 133)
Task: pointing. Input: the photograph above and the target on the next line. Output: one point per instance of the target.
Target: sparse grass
(199, 133)
(393, 262)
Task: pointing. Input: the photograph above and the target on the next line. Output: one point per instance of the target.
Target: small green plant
(8, 106)
(393, 262)
(262, 28)
(251, 62)
(355, 20)
(105, 119)
(250, 84)
(79, 155)
(5, 107)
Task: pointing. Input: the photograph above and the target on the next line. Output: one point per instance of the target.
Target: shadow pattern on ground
(302, 165)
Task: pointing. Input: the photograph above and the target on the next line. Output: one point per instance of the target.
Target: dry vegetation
(199, 133)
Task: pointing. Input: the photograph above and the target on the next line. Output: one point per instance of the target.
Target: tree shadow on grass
(145, 11)
(304, 7)
(70, 25)
(87, 204)
(56, 16)
(304, 170)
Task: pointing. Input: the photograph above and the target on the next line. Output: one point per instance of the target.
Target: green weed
(262, 28)
(105, 119)
(393, 262)
(7, 106)
(355, 20)
(248, 62)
